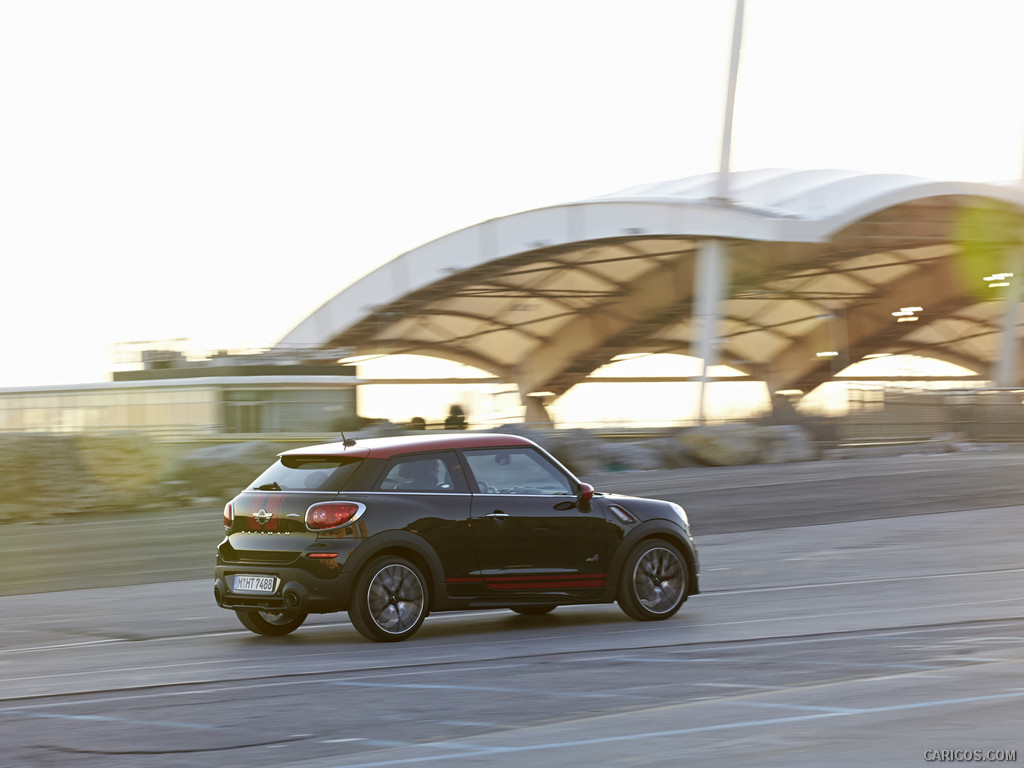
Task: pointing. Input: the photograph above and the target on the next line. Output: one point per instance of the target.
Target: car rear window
(307, 473)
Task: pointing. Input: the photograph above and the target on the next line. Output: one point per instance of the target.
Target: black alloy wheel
(654, 581)
(390, 599)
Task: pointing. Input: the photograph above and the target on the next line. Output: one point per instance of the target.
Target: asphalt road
(871, 624)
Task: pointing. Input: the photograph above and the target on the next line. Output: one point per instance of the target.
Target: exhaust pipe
(295, 596)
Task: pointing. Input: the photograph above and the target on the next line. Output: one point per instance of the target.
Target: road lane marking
(661, 661)
(806, 707)
(439, 670)
(891, 665)
(470, 750)
(26, 712)
(744, 685)
(481, 750)
(902, 609)
(107, 641)
(858, 582)
(484, 688)
(470, 724)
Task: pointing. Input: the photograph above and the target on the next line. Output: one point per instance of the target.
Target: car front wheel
(270, 624)
(654, 581)
(390, 599)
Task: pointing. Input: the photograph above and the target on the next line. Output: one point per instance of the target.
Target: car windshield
(306, 473)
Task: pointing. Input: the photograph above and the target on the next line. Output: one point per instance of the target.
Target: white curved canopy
(544, 297)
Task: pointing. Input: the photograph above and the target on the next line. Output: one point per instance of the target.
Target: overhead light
(998, 285)
(998, 276)
(877, 354)
(906, 314)
(541, 394)
(827, 354)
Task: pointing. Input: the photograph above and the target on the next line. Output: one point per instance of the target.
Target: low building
(172, 396)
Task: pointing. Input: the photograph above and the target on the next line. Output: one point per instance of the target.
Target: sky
(214, 170)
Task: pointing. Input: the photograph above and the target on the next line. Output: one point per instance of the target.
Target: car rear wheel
(390, 600)
(270, 624)
(654, 581)
(533, 610)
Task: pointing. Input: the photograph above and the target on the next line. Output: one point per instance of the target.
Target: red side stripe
(535, 581)
(548, 585)
(547, 577)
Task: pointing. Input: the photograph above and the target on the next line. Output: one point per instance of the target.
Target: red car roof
(386, 447)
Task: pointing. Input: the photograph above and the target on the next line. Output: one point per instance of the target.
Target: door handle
(498, 514)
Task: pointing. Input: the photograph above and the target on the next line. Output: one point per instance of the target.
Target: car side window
(419, 474)
(519, 471)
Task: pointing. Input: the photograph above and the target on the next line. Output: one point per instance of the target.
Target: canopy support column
(709, 282)
(1006, 370)
(536, 411)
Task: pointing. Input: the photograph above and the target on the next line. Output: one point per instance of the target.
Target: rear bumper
(296, 590)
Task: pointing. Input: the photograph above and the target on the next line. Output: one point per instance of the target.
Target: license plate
(264, 584)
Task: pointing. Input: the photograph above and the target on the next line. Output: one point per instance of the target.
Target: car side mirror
(584, 493)
(583, 496)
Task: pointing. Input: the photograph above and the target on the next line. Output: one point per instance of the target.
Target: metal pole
(722, 188)
(1006, 371)
(709, 284)
(710, 277)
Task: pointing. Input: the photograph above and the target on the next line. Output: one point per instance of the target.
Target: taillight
(229, 515)
(332, 514)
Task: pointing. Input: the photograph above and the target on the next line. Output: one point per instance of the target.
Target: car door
(426, 494)
(530, 536)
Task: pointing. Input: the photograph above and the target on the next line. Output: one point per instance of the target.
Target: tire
(269, 624)
(654, 582)
(533, 610)
(390, 600)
